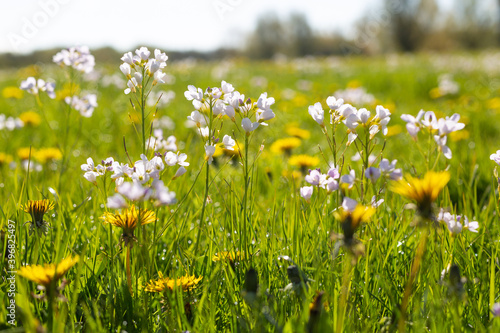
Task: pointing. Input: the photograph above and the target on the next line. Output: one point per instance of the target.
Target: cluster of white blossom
(78, 57)
(10, 123)
(447, 86)
(140, 66)
(226, 101)
(327, 181)
(85, 105)
(358, 96)
(352, 117)
(456, 223)
(440, 128)
(386, 169)
(132, 181)
(34, 86)
(158, 142)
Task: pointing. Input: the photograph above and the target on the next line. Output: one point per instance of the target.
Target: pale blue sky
(27, 25)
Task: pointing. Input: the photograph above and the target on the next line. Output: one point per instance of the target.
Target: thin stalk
(143, 114)
(111, 279)
(245, 240)
(345, 290)
(415, 268)
(207, 176)
(127, 263)
(205, 197)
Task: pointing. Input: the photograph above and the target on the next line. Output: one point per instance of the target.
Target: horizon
(64, 23)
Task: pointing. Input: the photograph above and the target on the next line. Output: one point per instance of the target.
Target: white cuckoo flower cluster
(34, 86)
(386, 169)
(159, 143)
(317, 179)
(456, 223)
(140, 69)
(85, 105)
(352, 117)
(77, 57)
(139, 182)
(439, 128)
(10, 123)
(214, 104)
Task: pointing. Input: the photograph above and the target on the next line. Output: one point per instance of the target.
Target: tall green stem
(143, 106)
(245, 199)
(415, 268)
(207, 176)
(129, 275)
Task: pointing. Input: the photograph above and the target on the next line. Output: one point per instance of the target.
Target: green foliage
(284, 230)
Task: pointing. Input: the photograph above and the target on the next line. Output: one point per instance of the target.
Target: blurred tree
(474, 24)
(300, 36)
(268, 38)
(410, 21)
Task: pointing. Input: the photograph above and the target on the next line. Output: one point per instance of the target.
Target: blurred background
(32, 31)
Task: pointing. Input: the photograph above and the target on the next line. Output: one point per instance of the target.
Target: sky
(203, 25)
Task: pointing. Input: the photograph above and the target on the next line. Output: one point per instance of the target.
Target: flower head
(45, 155)
(285, 145)
(33, 86)
(47, 275)
(30, 118)
(230, 256)
(78, 57)
(351, 214)
(298, 132)
(423, 191)
(248, 126)
(128, 220)
(185, 283)
(306, 192)
(37, 209)
(496, 157)
(317, 113)
(303, 161)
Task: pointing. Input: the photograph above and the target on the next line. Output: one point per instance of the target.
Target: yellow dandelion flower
(186, 283)
(435, 93)
(423, 191)
(230, 256)
(459, 135)
(298, 132)
(294, 175)
(128, 220)
(316, 308)
(30, 118)
(5, 159)
(494, 103)
(47, 274)
(300, 100)
(285, 145)
(303, 161)
(236, 150)
(37, 209)
(45, 155)
(360, 214)
(32, 70)
(219, 151)
(354, 84)
(394, 130)
(24, 153)
(67, 90)
(12, 92)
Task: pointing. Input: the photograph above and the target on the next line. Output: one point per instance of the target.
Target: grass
(277, 226)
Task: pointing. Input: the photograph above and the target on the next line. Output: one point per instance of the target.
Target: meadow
(132, 201)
